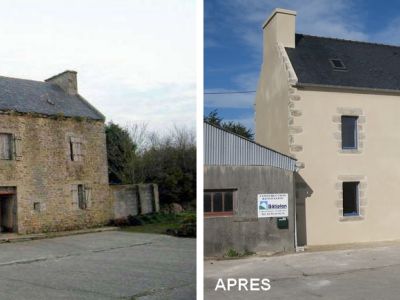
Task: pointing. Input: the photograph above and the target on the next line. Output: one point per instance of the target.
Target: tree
(121, 154)
(231, 126)
(136, 155)
(170, 161)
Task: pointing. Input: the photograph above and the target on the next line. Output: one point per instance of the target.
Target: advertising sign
(272, 205)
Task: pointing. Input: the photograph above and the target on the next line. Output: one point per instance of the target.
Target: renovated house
(334, 105)
(53, 162)
(249, 196)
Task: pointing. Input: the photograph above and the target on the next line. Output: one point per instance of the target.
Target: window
(218, 202)
(337, 64)
(6, 146)
(76, 149)
(349, 132)
(81, 197)
(350, 198)
(36, 206)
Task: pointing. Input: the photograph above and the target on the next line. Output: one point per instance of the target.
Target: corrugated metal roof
(225, 148)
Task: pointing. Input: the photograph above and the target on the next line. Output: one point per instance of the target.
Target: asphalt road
(106, 265)
(372, 273)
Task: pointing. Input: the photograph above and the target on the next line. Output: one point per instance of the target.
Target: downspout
(296, 246)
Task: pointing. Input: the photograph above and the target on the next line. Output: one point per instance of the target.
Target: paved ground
(372, 273)
(106, 265)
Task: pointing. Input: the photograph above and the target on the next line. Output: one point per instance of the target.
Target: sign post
(273, 205)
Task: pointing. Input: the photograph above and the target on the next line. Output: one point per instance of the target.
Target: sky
(135, 58)
(233, 41)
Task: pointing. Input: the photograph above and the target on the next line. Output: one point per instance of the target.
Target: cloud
(135, 59)
(228, 100)
(247, 81)
(244, 18)
(318, 17)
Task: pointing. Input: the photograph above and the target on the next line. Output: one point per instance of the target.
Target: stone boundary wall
(134, 199)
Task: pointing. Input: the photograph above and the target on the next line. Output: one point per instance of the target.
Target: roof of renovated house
(29, 96)
(366, 65)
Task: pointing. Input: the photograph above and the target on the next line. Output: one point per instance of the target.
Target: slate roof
(28, 96)
(368, 65)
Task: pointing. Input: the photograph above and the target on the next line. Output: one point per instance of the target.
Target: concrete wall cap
(280, 11)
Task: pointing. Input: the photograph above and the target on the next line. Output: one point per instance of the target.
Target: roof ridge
(23, 79)
(348, 40)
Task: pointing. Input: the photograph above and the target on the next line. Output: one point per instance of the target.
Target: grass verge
(160, 223)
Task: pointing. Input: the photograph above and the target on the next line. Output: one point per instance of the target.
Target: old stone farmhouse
(53, 162)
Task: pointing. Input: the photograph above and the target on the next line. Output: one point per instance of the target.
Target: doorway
(8, 211)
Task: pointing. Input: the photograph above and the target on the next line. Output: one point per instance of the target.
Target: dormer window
(337, 64)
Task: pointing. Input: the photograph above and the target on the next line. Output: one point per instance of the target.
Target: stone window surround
(337, 119)
(362, 199)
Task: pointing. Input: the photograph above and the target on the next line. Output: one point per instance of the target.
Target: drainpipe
(299, 166)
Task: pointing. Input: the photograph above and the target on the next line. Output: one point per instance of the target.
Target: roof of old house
(29, 96)
(366, 65)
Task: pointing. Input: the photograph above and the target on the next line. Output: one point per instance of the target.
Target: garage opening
(8, 205)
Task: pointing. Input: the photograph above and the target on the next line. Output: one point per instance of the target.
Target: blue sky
(233, 40)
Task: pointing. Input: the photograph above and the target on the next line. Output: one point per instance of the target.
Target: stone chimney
(66, 80)
(280, 27)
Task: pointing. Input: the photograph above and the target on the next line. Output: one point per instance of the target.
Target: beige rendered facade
(305, 122)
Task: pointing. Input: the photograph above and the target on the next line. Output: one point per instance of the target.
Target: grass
(232, 253)
(159, 223)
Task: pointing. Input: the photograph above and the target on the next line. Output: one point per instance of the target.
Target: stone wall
(134, 199)
(42, 171)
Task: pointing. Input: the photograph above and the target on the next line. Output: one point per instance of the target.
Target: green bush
(232, 253)
(136, 156)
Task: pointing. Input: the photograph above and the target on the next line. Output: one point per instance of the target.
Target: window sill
(351, 218)
(218, 214)
(350, 151)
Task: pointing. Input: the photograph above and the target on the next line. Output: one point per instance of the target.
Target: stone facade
(46, 178)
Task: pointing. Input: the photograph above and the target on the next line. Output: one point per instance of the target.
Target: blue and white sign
(273, 205)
